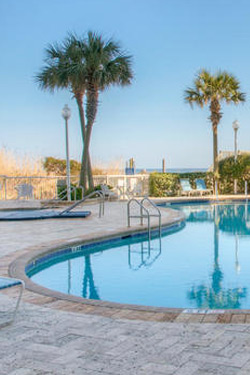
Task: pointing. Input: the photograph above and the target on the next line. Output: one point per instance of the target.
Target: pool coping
(51, 298)
(17, 268)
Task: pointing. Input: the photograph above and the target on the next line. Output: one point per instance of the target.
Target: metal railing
(63, 194)
(48, 187)
(152, 204)
(144, 213)
(126, 186)
(94, 193)
(43, 187)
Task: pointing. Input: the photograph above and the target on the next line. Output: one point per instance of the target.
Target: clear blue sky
(170, 40)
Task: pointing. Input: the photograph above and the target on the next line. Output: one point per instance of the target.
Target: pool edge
(17, 269)
(62, 301)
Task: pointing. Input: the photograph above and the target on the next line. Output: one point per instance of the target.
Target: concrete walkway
(47, 340)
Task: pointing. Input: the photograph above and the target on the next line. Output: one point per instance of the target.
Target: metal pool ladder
(144, 213)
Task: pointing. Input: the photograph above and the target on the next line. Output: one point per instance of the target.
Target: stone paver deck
(47, 341)
(54, 336)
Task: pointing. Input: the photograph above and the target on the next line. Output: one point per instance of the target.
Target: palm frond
(221, 86)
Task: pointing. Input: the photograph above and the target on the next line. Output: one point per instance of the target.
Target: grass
(27, 170)
(13, 165)
(114, 167)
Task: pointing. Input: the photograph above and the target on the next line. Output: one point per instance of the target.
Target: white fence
(46, 187)
(125, 185)
(41, 187)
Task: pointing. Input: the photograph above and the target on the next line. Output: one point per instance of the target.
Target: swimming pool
(202, 264)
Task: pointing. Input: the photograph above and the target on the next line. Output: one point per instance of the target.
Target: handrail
(101, 205)
(152, 204)
(63, 193)
(141, 216)
(155, 207)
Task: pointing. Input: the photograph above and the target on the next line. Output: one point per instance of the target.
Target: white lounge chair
(201, 187)
(186, 187)
(136, 191)
(109, 194)
(8, 282)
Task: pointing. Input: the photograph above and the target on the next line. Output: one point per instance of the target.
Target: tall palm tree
(213, 90)
(57, 75)
(105, 65)
(85, 66)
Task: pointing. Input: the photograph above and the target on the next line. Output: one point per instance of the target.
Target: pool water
(202, 264)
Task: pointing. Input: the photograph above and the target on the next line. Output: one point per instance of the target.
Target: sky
(169, 41)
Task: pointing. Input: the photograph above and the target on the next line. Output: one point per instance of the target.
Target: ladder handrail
(63, 194)
(155, 207)
(139, 203)
(142, 215)
(152, 204)
(101, 205)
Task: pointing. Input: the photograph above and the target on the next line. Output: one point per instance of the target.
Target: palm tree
(212, 90)
(85, 66)
(105, 65)
(57, 75)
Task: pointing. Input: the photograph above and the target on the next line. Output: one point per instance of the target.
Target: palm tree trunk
(86, 164)
(215, 149)
(83, 180)
(85, 173)
(92, 103)
(79, 100)
(215, 119)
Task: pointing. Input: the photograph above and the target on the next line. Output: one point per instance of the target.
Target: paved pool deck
(57, 336)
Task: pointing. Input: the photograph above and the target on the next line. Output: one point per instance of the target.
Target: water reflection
(89, 289)
(237, 263)
(143, 254)
(139, 254)
(232, 219)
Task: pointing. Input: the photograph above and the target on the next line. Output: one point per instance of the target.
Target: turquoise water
(203, 264)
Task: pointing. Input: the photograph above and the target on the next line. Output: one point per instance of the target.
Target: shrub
(229, 170)
(58, 166)
(163, 184)
(168, 184)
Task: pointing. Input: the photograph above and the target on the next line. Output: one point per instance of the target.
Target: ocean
(172, 170)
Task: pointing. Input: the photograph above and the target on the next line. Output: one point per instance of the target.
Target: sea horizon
(172, 170)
